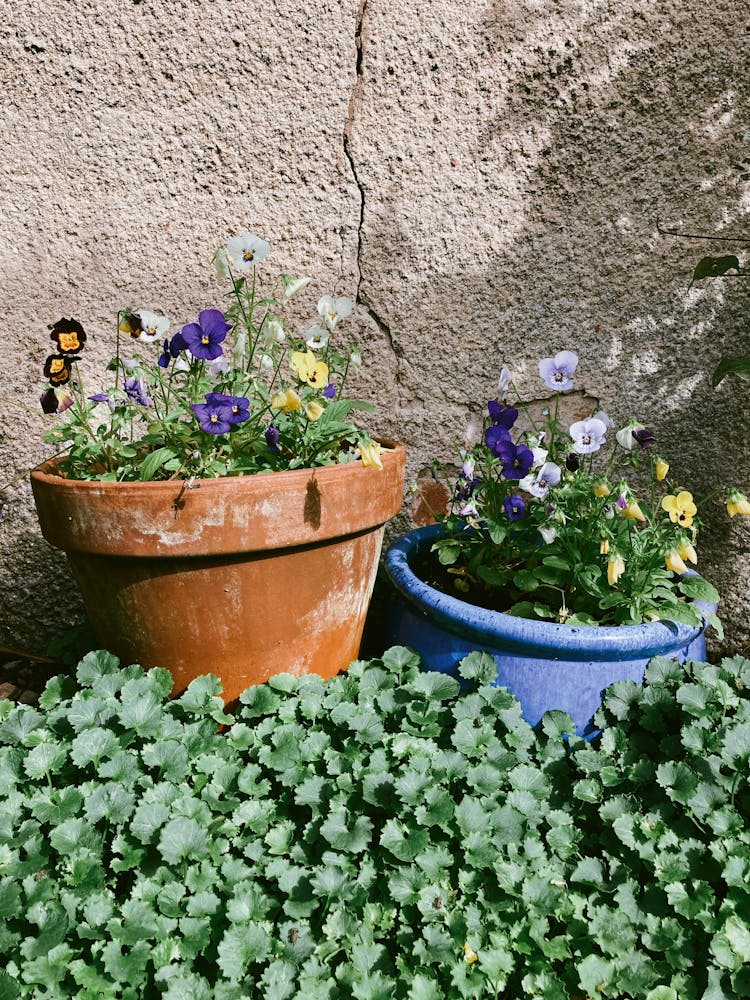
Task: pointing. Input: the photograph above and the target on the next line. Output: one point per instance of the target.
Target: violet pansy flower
(272, 438)
(502, 416)
(494, 436)
(514, 507)
(204, 338)
(238, 406)
(330, 391)
(539, 485)
(135, 392)
(516, 459)
(588, 435)
(558, 372)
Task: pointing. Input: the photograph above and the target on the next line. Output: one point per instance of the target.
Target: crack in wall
(354, 102)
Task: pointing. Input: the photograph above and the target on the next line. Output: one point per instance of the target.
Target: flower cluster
(544, 524)
(232, 393)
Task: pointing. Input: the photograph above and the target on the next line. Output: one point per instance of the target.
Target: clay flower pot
(243, 577)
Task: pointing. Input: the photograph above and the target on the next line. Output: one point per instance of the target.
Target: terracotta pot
(243, 577)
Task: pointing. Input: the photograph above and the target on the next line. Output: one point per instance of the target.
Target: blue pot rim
(494, 628)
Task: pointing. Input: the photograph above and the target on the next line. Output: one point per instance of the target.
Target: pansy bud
(615, 568)
(687, 551)
(625, 437)
(503, 384)
(633, 512)
(313, 410)
(469, 954)
(370, 454)
(604, 546)
(674, 562)
(737, 503)
(661, 468)
(572, 462)
(601, 489)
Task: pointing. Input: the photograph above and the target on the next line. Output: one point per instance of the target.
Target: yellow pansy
(604, 546)
(674, 562)
(738, 504)
(680, 508)
(308, 369)
(470, 955)
(370, 453)
(615, 569)
(287, 401)
(661, 468)
(313, 410)
(602, 489)
(687, 551)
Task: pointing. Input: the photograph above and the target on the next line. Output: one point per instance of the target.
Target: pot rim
(45, 473)
(487, 627)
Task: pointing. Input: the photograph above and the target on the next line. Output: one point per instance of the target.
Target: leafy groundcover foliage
(378, 836)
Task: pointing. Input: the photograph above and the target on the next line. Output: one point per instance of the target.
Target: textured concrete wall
(485, 178)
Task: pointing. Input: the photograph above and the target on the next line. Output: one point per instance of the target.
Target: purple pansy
(204, 338)
(558, 372)
(517, 459)
(213, 418)
(330, 391)
(238, 406)
(514, 507)
(494, 436)
(621, 502)
(502, 416)
(588, 435)
(171, 349)
(55, 400)
(539, 485)
(135, 392)
(272, 437)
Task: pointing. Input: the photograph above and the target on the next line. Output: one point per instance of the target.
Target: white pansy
(540, 457)
(266, 361)
(604, 417)
(548, 534)
(625, 437)
(333, 310)
(316, 338)
(292, 285)
(245, 251)
(355, 360)
(153, 326)
(181, 364)
(219, 366)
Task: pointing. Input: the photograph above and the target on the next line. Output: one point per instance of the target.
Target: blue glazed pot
(545, 665)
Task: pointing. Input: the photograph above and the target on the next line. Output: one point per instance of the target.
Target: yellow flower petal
(674, 562)
(604, 546)
(662, 468)
(633, 512)
(601, 489)
(469, 954)
(738, 504)
(313, 410)
(370, 453)
(680, 508)
(308, 369)
(687, 551)
(288, 400)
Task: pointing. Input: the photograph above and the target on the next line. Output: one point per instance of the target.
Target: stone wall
(486, 179)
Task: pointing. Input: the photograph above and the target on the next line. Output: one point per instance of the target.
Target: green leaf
(94, 665)
(662, 993)
(435, 685)
(738, 935)
(731, 366)
(183, 838)
(525, 580)
(342, 837)
(698, 589)
(479, 666)
(594, 974)
(447, 552)
(715, 267)
(154, 461)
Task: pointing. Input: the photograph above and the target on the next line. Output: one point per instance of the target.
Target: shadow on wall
(607, 122)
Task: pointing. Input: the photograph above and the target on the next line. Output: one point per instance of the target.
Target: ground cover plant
(380, 835)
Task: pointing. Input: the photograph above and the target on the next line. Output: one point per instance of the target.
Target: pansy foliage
(234, 392)
(543, 523)
(384, 834)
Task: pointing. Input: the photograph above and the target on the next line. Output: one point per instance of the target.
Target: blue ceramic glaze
(544, 664)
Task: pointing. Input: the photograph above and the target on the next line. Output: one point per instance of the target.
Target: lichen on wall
(487, 180)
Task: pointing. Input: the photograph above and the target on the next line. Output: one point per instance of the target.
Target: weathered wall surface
(485, 178)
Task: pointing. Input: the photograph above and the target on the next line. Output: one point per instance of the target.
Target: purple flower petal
(502, 416)
(514, 507)
(494, 436)
(214, 324)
